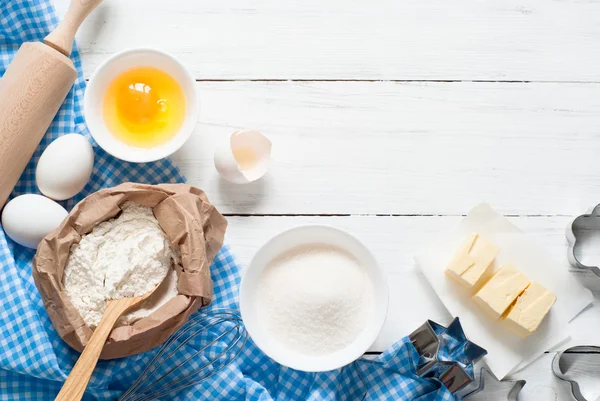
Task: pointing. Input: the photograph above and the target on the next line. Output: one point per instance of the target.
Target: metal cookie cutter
(586, 366)
(514, 387)
(446, 353)
(584, 226)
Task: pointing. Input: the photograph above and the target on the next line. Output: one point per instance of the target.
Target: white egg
(65, 167)
(244, 158)
(27, 219)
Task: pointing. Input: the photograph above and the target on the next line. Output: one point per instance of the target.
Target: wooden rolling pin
(32, 90)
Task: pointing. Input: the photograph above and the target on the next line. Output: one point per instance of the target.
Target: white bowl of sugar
(314, 298)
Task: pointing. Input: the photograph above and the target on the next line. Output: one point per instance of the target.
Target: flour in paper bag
(127, 256)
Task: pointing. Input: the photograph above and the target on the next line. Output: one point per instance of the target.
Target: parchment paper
(192, 224)
(506, 351)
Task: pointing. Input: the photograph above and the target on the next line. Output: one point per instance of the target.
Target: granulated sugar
(315, 299)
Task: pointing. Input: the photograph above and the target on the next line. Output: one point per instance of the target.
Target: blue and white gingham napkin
(34, 361)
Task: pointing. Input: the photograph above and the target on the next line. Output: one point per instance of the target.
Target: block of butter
(530, 309)
(498, 294)
(472, 261)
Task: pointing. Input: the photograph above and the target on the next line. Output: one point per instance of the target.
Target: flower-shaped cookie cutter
(446, 353)
(588, 367)
(584, 226)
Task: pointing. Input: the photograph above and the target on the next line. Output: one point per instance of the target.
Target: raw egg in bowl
(141, 105)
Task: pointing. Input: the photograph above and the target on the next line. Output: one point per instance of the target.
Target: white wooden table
(389, 118)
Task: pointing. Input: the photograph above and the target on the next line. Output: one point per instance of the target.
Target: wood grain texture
(516, 40)
(396, 161)
(32, 90)
(585, 370)
(541, 385)
(394, 241)
(63, 36)
(77, 381)
(404, 148)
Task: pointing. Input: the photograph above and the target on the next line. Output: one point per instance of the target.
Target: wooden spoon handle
(62, 37)
(79, 377)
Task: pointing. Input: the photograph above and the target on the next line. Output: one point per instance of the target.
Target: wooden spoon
(81, 373)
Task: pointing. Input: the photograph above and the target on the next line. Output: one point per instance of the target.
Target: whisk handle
(81, 373)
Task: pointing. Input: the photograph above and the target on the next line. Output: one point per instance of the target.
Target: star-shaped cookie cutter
(562, 372)
(584, 226)
(446, 353)
(485, 376)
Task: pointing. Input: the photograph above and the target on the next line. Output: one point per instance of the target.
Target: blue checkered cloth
(34, 361)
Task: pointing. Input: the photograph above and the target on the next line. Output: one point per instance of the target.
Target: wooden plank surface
(394, 241)
(541, 385)
(405, 148)
(515, 40)
(395, 163)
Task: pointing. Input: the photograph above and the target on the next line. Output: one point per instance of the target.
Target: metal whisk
(203, 347)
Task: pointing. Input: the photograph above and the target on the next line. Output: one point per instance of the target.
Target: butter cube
(496, 296)
(472, 261)
(529, 310)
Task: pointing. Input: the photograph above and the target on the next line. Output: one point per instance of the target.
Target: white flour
(315, 300)
(124, 257)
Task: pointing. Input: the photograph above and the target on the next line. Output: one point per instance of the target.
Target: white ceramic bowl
(108, 71)
(288, 240)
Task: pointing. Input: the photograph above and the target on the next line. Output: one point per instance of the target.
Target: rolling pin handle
(62, 37)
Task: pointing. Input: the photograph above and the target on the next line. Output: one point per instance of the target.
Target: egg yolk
(144, 107)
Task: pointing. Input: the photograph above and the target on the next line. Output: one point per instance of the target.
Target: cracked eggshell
(65, 167)
(244, 158)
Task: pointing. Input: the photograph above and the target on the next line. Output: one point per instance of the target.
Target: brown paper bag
(192, 224)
